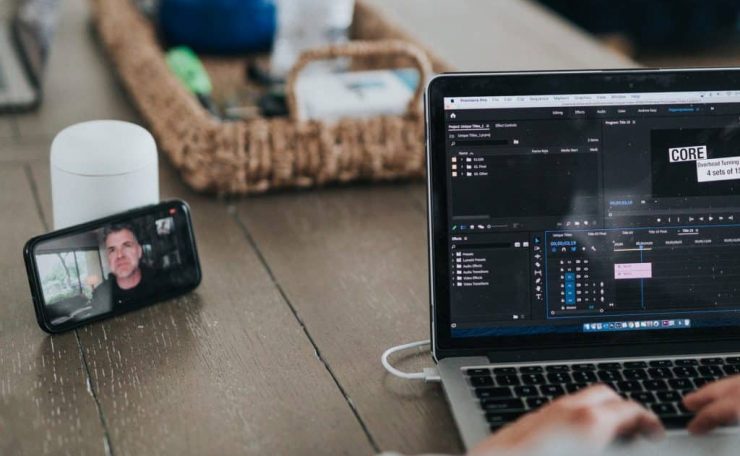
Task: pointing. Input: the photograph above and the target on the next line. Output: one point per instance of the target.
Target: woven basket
(261, 154)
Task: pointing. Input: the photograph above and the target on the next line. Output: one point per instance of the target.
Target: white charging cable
(429, 374)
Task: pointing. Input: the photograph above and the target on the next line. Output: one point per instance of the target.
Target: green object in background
(187, 67)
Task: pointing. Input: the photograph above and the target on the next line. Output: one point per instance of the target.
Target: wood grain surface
(46, 404)
(353, 262)
(229, 360)
(277, 352)
(8, 128)
(20, 151)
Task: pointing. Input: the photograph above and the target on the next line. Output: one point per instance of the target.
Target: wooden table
(277, 352)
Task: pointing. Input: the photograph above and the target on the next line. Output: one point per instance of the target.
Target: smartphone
(110, 266)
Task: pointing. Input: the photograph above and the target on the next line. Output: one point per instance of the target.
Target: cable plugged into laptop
(429, 374)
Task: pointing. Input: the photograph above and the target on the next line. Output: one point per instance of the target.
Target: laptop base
(486, 397)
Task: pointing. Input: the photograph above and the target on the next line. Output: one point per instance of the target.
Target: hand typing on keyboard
(597, 414)
(716, 404)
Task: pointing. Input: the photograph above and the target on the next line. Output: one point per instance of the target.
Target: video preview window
(114, 267)
(692, 162)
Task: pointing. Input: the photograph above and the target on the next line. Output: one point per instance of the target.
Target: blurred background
(661, 32)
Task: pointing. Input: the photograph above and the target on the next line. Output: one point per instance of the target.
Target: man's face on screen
(124, 253)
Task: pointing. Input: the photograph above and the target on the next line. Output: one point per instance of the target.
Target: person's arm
(597, 414)
(716, 404)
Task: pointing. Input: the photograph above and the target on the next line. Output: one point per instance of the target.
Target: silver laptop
(583, 227)
(24, 42)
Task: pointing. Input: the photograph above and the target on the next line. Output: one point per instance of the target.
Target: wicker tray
(261, 154)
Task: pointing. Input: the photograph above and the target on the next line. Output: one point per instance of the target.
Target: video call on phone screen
(115, 267)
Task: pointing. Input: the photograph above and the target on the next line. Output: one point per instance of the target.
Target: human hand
(716, 404)
(597, 414)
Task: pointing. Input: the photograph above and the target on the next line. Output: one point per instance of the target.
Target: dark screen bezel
(541, 83)
(35, 282)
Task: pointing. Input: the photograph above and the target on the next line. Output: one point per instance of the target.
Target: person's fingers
(592, 395)
(646, 423)
(537, 424)
(718, 413)
(616, 418)
(711, 392)
(521, 432)
(597, 413)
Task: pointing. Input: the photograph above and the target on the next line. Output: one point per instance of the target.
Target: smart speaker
(102, 167)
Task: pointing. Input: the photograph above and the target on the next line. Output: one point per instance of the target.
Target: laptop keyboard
(505, 393)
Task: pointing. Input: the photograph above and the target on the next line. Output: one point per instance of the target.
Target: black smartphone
(109, 266)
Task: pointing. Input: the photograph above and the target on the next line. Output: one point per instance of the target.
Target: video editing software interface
(593, 212)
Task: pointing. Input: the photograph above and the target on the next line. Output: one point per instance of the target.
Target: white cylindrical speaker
(102, 167)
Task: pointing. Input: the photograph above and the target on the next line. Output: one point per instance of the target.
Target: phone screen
(116, 265)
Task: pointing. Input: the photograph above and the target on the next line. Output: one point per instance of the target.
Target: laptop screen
(589, 213)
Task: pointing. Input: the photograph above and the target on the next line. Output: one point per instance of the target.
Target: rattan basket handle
(361, 49)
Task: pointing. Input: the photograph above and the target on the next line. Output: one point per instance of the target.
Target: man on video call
(129, 280)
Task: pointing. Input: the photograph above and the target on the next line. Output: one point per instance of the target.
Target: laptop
(584, 227)
(24, 43)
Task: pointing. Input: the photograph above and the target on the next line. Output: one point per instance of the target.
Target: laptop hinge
(616, 351)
